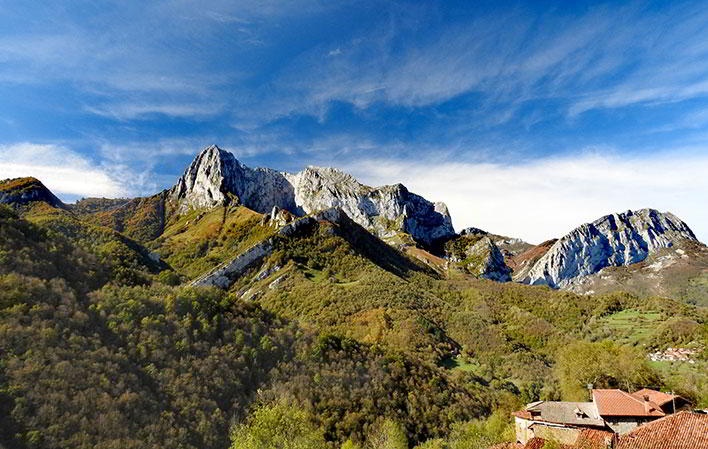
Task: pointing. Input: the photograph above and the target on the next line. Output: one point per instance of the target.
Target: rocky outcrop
(614, 240)
(523, 262)
(487, 261)
(477, 254)
(19, 191)
(227, 273)
(215, 177)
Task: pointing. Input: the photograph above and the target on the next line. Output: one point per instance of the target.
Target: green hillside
(102, 344)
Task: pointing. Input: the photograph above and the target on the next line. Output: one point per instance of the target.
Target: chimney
(647, 406)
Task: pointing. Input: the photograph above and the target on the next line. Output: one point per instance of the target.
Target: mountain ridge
(217, 177)
(25, 190)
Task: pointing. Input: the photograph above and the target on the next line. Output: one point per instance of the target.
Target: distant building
(611, 411)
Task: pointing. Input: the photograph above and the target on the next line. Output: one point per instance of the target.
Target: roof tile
(684, 430)
(619, 403)
(657, 397)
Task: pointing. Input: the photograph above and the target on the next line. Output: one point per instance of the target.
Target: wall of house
(523, 430)
(563, 435)
(623, 425)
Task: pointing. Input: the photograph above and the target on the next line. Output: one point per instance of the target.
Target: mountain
(522, 262)
(475, 252)
(679, 272)
(21, 191)
(215, 177)
(618, 239)
(183, 318)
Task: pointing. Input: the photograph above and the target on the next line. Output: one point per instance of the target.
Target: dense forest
(337, 340)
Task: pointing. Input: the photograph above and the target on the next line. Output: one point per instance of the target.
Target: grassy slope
(366, 290)
(142, 219)
(198, 241)
(341, 279)
(127, 260)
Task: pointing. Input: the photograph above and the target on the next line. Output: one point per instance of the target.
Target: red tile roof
(654, 396)
(535, 443)
(619, 403)
(507, 445)
(594, 439)
(524, 414)
(684, 430)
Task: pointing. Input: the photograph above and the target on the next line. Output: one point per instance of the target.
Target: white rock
(215, 177)
(613, 240)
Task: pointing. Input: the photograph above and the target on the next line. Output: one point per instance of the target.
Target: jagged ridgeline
(162, 321)
(217, 178)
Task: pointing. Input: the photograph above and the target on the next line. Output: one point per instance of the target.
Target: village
(644, 419)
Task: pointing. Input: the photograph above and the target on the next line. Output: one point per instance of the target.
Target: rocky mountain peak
(613, 240)
(19, 191)
(203, 184)
(215, 177)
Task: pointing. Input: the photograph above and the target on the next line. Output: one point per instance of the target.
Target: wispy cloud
(130, 111)
(547, 198)
(607, 57)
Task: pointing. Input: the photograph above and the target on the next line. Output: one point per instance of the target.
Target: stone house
(612, 411)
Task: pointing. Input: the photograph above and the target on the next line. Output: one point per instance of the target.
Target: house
(623, 412)
(613, 411)
(555, 420)
(683, 430)
(669, 403)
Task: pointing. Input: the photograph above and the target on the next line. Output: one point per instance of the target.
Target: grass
(18, 184)
(201, 240)
(689, 380)
(460, 364)
(632, 326)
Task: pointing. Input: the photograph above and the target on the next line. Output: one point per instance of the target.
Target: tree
(604, 365)
(278, 426)
(387, 434)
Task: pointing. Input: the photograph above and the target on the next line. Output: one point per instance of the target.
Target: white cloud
(63, 171)
(547, 198)
(129, 111)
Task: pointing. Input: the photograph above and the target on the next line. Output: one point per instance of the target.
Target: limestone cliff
(614, 240)
(216, 177)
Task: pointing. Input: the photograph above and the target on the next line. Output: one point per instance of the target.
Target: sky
(526, 118)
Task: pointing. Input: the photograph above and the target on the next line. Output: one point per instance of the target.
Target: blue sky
(528, 119)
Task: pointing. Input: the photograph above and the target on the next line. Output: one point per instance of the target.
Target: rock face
(215, 177)
(476, 253)
(614, 240)
(20, 191)
(523, 262)
(488, 261)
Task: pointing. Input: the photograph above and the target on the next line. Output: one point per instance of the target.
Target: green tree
(278, 426)
(604, 365)
(387, 434)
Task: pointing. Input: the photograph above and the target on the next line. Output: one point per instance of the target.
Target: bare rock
(613, 240)
(215, 177)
